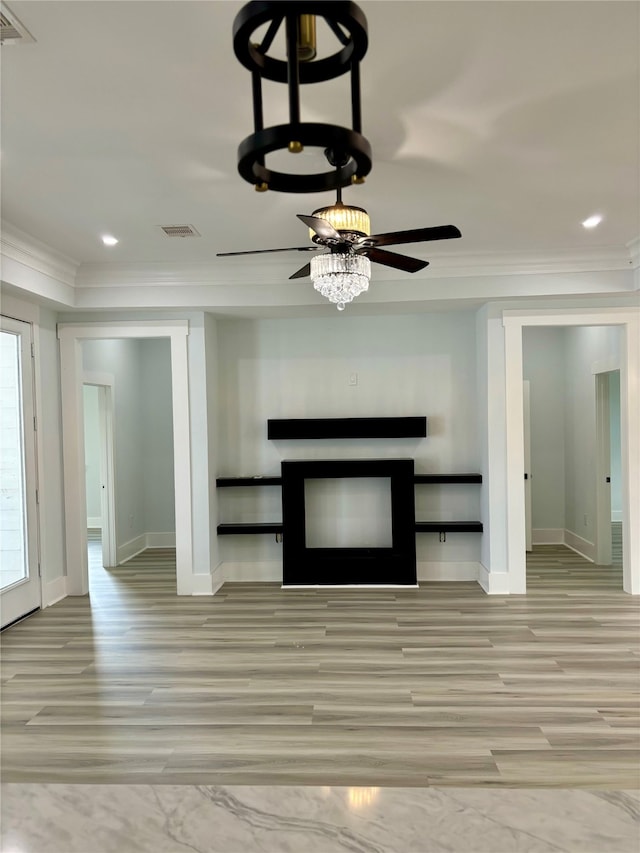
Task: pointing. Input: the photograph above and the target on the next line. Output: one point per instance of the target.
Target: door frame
(629, 320)
(30, 440)
(528, 509)
(71, 336)
(603, 468)
(105, 384)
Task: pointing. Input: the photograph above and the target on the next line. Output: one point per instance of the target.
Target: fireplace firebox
(392, 565)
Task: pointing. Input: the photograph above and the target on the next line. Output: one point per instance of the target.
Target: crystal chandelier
(340, 276)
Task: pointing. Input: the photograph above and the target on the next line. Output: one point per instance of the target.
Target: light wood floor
(439, 686)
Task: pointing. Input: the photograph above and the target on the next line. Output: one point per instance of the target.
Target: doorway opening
(609, 500)
(129, 485)
(576, 454)
(99, 469)
(134, 537)
(580, 520)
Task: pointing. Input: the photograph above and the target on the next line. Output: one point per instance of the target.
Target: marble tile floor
(52, 818)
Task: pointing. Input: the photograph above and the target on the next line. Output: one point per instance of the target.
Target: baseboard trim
(94, 523)
(54, 591)
(349, 586)
(272, 572)
(131, 548)
(548, 536)
(140, 543)
(581, 546)
(218, 577)
(493, 583)
(453, 571)
(251, 572)
(560, 536)
(616, 515)
(201, 585)
(160, 540)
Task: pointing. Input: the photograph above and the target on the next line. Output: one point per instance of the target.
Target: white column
(492, 432)
(630, 452)
(74, 473)
(516, 526)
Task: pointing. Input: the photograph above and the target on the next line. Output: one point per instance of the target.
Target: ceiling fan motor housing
(346, 148)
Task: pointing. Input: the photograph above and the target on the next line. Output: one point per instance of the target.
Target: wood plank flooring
(437, 686)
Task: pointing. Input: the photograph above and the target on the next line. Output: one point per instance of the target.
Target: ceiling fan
(345, 230)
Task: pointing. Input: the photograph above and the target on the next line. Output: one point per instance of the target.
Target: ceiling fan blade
(416, 235)
(264, 251)
(303, 272)
(392, 259)
(323, 229)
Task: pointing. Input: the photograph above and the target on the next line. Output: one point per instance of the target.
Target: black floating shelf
(448, 527)
(224, 482)
(249, 528)
(447, 478)
(347, 428)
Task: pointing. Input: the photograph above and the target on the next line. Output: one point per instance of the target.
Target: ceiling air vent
(179, 230)
(11, 30)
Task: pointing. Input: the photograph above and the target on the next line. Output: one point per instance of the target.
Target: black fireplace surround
(319, 566)
(348, 566)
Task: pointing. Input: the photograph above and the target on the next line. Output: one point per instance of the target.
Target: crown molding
(250, 271)
(253, 273)
(27, 250)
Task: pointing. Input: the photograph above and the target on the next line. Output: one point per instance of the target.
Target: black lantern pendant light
(347, 151)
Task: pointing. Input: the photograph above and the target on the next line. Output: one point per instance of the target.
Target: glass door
(19, 575)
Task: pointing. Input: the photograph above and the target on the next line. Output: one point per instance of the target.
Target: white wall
(121, 359)
(586, 347)
(157, 433)
(407, 365)
(93, 480)
(143, 441)
(559, 363)
(543, 352)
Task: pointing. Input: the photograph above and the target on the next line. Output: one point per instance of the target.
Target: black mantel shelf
(410, 427)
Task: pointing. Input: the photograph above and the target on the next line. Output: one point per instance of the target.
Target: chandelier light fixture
(344, 27)
(340, 276)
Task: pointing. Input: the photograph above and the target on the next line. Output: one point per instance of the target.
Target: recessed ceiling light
(592, 221)
(108, 240)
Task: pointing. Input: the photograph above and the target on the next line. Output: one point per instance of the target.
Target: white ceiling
(512, 120)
